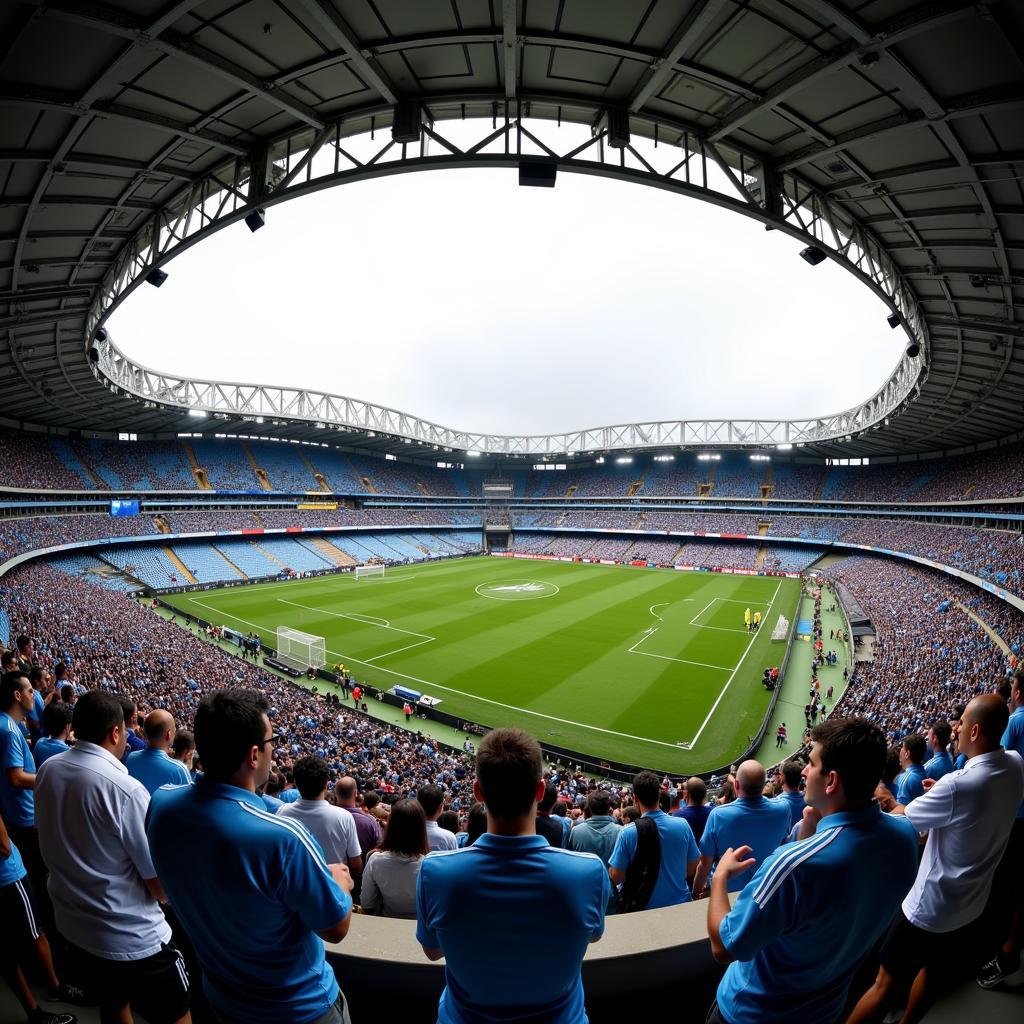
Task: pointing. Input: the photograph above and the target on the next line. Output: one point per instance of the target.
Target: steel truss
(656, 154)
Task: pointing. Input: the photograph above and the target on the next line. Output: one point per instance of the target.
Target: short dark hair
(549, 799)
(228, 724)
(23, 641)
(96, 713)
(449, 821)
(183, 742)
(311, 775)
(59, 670)
(9, 658)
(599, 802)
(10, 684)
(647, 788)
(916, 746)
(855, 749)
(431, 798)
(129, 708)
(476, 823)
(370, 799)
(943, 732)
(56, 717)
(35, 675)
(67, 691)
(406, 830)
(791, 773)
(509, 765)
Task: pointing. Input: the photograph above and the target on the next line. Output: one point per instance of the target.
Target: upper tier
(76, 464)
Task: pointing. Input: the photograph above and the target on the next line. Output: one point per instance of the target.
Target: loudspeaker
(893, 320)
(538, 173)
(813, 255)
(156, 277)
(618, 128)
(255, 220)
(405, 125)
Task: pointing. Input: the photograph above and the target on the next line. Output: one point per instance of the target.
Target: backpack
(642, 873)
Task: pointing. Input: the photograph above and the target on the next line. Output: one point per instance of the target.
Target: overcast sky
(462, 298)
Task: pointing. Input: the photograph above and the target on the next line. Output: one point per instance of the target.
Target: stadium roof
(888, 134)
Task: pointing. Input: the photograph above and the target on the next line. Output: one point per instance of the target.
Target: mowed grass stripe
(564, 656)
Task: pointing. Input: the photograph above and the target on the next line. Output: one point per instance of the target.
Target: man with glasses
(252, 889)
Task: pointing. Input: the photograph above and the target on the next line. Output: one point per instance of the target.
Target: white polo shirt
(968, 815)
(440, 838)
(333, 828)
(91, 816)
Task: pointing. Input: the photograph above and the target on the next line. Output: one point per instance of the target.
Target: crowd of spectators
(929, 654)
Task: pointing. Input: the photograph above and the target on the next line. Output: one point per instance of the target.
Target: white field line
(398, 650)
(648, 633)
(728, 682)
(663, 604)
(693, 621)
(366, 620)
(450, 689)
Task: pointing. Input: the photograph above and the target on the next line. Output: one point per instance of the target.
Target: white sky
(462, 298)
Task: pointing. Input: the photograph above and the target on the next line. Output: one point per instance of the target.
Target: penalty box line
(714, 707)
(461, 693)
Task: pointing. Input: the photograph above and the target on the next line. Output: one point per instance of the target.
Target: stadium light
(197, 414)
(599, 460)
(813, 255)
(255, 220)
(784, 447)
(760, 458)
(913, 350)
(893, 320)
(156, 277)
(622, 460)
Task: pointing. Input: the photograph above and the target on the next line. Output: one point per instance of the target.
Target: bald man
(749, 820)
(968, 815)
(154, 767)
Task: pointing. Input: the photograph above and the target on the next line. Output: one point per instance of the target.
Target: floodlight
(255, 220)
(537, 172)
(94, 353)
(913, 350)
(893, 320)
(156, 277)
(813, 255)
(101, 335)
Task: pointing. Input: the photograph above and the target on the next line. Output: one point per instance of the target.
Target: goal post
(369, 571)
(300, 650)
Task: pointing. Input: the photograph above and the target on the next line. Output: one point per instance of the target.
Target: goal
(300, 650)
(368, 571)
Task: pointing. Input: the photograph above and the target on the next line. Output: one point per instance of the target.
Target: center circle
(517, 590)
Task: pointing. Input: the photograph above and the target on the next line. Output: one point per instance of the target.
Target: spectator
(333, 828)
(105, 891)
(183, 749)
(655, 856)
(18, 778)
(1010, 878)
(750, 820)
(549, 826)
(431, 799)
(368, 828)
(131, 723)
(792, 947)
(597, 834)
(938, 739)
(476, 825)
(56, 729)
(550, 902)
(695, 809)
(791, 795)
(274, 894)
(910, 781)
(389, 882)
(21, 932)
(154, 767)
(968, 816)
(448, 821)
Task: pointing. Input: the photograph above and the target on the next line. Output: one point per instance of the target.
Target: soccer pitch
(647, 666)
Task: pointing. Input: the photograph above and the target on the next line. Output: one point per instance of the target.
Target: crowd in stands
(929, 654)
(52, 462)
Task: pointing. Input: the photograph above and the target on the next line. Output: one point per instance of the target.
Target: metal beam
(510, 47)
(690, 30)
(328, 20)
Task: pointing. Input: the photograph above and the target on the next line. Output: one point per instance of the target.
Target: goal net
(300, 650)
(366, 571)
(781, 630)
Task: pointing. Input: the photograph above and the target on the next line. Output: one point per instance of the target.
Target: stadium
(680, 597)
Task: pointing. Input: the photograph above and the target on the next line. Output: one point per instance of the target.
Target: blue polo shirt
(910, 784)
(17, 806)
(289, 796)
(511, 901)
(252, 890)
(677, 848)
(756, 822)
(154, 768)
(12, 868)
(1013, 739)
(941, 764)
(695, 817)
(803, 923)
(46, 748)
(796, 804)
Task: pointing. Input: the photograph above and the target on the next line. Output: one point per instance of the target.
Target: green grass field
(646, 666)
